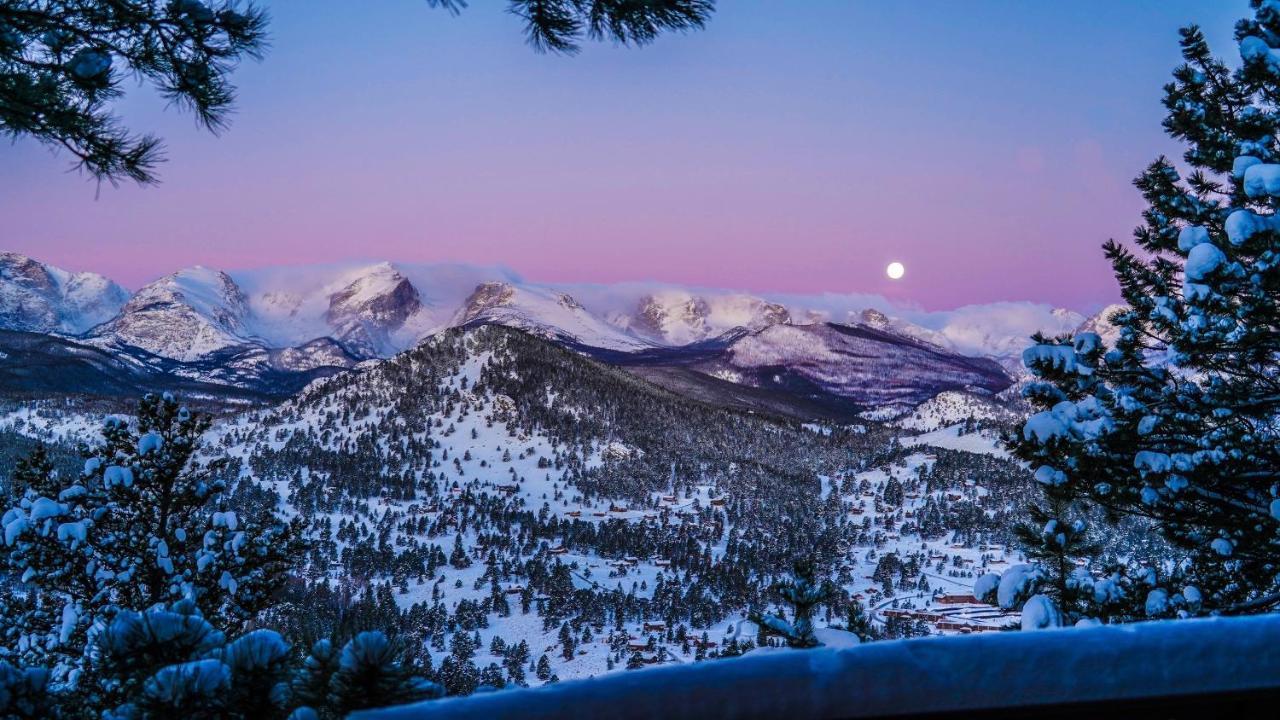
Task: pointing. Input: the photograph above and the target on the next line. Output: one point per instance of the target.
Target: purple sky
(800, 147)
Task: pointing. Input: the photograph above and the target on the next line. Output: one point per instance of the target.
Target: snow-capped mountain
(873, 367)
(41, 298)
(1101, 324)
(975, 329)
(679, 317)
(821, 370)
(548, 313)
(184, 316)
(246, 328)
(365, 314)
(876, 319)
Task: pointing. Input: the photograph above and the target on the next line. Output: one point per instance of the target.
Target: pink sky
(798, 154)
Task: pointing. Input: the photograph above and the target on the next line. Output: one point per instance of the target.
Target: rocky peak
(24, 271)
(671, 314)
(1102, 325)
(487, 296)
(377, 303)
(183, 316)
(40, 298)
(874, 318)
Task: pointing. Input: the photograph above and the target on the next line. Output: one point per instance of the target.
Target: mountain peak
(184, 315)
(372, 307)
(41, 298)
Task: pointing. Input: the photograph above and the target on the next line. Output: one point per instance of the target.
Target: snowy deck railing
(1198, 663)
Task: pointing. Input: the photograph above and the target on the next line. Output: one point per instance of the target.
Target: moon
(895, 271)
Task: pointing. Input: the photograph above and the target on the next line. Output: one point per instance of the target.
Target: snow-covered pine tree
(24, 693)
(803, 592)
(1177, 422)
(309, 686)
(143, 524)
(370, 674)
(858, 623)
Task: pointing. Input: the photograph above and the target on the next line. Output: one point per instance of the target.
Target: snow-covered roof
(926, 675)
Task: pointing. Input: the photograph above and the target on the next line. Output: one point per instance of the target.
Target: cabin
(655, 627)
(662, 562)
(574, 513)
(558, 550)
(509, 489)
(956, 600)
(717, 502)
(515, 590)
(617, 508)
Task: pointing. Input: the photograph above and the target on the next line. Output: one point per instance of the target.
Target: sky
(789, 147)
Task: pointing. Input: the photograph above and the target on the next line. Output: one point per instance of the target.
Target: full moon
(895, 270)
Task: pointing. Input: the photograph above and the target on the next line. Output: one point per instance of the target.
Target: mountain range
(270, 331)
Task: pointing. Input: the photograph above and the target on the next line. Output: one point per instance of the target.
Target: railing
(1206, 668)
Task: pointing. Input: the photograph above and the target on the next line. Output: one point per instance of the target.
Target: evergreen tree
(370, 674)
(24, 693)
(144, 524)
(1176, 422)
(459, 558)
(857, 622)
(803, 592)
(567, 645)
(309, 685)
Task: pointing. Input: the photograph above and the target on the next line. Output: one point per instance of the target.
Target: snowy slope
(547, 313)
(183, 316)
(440, 420)
(874, 367)
(951, 407)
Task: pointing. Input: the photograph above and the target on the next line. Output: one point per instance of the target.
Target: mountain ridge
(245, 328)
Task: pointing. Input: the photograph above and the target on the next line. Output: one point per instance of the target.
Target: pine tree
(803, 592)
(143, 525)
(24, 693)
(309, 686)
(370, 674)
(1176, 423)
(458, 558)
(857, 622)
(567, 645)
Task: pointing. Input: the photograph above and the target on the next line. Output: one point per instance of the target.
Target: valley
(526, 490)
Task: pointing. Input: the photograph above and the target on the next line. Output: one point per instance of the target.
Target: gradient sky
(793, 147)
